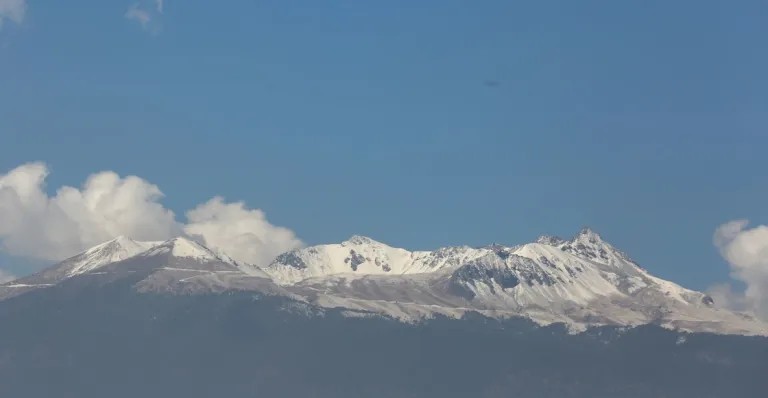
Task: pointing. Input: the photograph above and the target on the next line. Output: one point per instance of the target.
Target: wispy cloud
(12, 10)
(139, 15)
(746, 251)
(107, 205)
(147, 14)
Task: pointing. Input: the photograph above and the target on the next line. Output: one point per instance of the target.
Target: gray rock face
(291, 259)
(476, 273)
(354, 260)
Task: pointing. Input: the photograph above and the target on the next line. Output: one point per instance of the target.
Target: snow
(182, 247)
(117, 249)
(581, 282)
(362, 256)
(186, 248)
(27, 285)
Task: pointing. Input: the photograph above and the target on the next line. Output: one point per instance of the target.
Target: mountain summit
(582, 282)
(114, 250)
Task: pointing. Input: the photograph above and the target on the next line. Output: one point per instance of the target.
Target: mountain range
(553, 318)
(582, 282)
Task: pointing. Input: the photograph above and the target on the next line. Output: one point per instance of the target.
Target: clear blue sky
(421, 124)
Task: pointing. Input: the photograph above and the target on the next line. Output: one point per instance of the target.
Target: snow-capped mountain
(361, 255)
(581, 282)
(180, 263)
(108, 252)
(183, 266)
(117, 249)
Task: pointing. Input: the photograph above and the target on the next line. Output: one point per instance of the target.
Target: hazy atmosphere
(269, 186)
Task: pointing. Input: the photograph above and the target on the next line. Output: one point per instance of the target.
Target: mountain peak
(359, 240)
(585, 236)
(119, 241)
(589, 235)
(550, 240)
(184, 247)
(589, 244)
(114, 250)
(122, 238)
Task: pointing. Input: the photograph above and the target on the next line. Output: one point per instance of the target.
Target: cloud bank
(12, 10)
(146, 13)
(746, 251)
(107, 205)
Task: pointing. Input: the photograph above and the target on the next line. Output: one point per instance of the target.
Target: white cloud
(6, 277)
(52, 228)
(244, 234)
(12, 10)
(37, 225)
(725, 296)
(146, 13)
(746, 251)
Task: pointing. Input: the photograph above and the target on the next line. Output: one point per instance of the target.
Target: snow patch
(117, 249)
(184, 248)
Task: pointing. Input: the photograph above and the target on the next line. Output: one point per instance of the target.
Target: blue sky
(421, 125)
